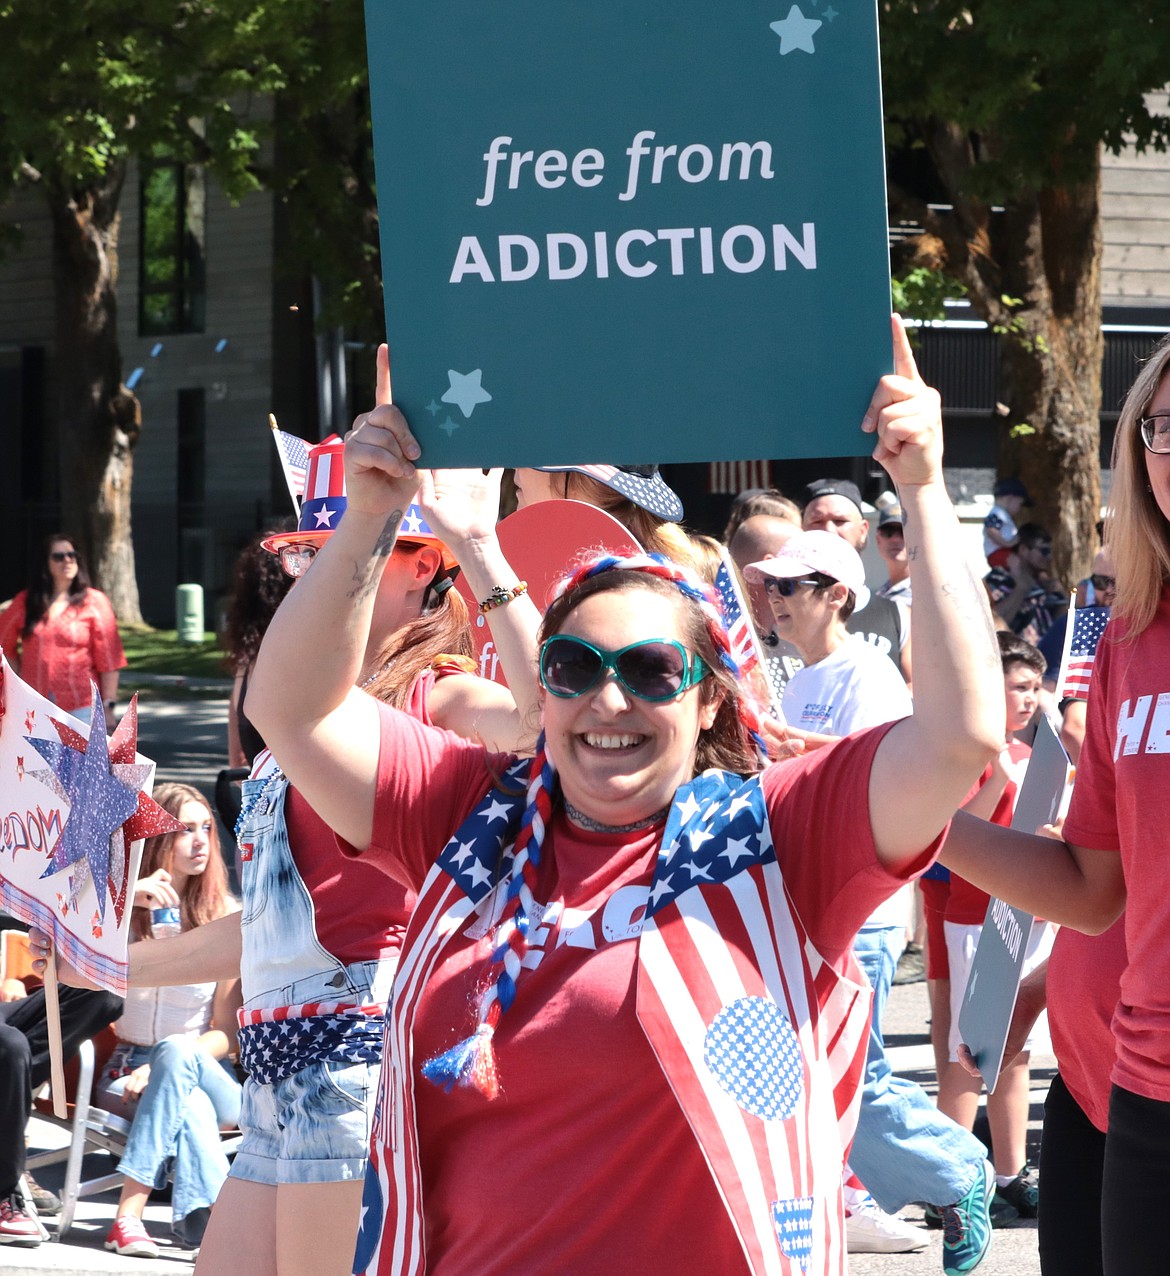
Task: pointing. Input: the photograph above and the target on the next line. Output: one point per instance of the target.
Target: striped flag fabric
(293, 452)
(737, 616)
(729, 478)
(1085, 628)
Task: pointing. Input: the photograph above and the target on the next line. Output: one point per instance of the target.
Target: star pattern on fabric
(324, 516)
(796, 31)
(271, 1051)
(754, 1053)
(710, 841)
(792, 1220)
(477, 864)
(466, 390)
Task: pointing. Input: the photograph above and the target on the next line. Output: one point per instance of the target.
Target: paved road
(187, 739)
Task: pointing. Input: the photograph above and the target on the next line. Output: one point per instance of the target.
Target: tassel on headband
(472, 1062)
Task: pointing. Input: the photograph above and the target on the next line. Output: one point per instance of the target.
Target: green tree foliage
(85, 88)
(999, 110)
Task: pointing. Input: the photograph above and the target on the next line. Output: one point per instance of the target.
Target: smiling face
(620, 759)
(62, 570)
(190, 849)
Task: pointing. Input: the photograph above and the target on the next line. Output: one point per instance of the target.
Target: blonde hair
(655, 535)
(1136, 530)
(705, 556)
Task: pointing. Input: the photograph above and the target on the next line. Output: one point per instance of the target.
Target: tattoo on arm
(365, 578)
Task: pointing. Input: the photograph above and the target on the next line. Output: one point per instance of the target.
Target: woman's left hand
(380, 452)
(907, 416)
(461, 506)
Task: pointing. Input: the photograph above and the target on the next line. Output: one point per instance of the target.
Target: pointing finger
(382, 392)
(904, 365)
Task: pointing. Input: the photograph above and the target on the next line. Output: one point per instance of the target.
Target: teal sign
(631, 232)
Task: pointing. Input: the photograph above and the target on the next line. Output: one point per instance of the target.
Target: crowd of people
(629, 922)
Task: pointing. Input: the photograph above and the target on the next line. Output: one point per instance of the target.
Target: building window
(172, 294)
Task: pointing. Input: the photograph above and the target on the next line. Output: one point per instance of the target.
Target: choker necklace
(595, 826)
(376, 674)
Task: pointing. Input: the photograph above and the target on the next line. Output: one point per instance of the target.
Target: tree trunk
(98, 418)
(1051, 369)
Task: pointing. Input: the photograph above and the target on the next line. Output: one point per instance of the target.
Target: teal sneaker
(1022, 1193)
(967, 1226)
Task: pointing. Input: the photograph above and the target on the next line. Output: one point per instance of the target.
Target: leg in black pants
(1137, 1164)
(24, 1060)
(1072, 1160)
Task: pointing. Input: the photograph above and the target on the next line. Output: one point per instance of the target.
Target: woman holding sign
(1115, 832)
(618, 901)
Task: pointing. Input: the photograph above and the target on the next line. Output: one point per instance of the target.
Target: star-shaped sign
(796, 31)
(465, 389)
(99, 803)
(118, 780)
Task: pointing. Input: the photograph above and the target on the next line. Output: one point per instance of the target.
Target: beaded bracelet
(499, 596)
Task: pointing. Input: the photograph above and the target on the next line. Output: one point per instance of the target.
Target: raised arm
(926, 764)
(301, 695)
(462, 507)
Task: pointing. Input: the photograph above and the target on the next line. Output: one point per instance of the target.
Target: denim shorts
(311, 1127)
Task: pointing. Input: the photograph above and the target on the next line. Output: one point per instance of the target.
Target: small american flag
(1085, 627)
(294, 461)
(732, 477)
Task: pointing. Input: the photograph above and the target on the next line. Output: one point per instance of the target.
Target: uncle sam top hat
(641, 484)
(324, 504)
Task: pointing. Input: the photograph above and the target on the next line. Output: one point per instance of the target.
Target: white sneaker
(870, 1230)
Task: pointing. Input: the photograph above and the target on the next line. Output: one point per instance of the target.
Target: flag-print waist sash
(275, 1044)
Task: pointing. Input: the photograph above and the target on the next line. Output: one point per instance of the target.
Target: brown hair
(763, 501)
(40, 591)
(443, 629)
(726, 744)
(1136, 530)
(205, 896)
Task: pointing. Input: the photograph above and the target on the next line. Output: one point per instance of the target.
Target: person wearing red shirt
(1115, 850)
(61, 635)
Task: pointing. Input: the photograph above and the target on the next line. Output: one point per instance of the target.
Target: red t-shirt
(587, 1130)
(1084, 980)
(62, 656)
(966, 903)
(359, 916)
(1121, 802)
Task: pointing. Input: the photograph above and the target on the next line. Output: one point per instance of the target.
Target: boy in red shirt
(994, 799)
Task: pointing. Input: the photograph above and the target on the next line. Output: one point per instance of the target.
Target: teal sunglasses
(654, 669)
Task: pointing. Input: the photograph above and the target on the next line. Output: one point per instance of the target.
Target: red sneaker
(17, 1225)
(129, 1238)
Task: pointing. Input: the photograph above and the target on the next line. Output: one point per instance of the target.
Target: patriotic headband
(692, 587)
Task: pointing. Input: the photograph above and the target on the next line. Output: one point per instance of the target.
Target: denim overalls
(312, 1126)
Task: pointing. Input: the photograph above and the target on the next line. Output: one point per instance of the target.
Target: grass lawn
(160, 651)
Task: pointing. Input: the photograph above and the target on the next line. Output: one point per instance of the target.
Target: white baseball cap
(808, 552)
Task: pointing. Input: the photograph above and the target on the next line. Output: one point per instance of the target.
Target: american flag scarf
(761, 1040)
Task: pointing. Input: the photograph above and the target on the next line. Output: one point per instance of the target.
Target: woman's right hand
(380, 455)
(135, 1084)
(156, 891)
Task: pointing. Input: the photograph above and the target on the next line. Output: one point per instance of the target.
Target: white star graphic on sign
(324, 517)
(689, 809)
(796, 31)
(660, 888)
(497, 811)
(466, 391)
(737, 848)
(477, 874)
